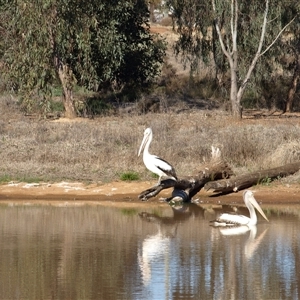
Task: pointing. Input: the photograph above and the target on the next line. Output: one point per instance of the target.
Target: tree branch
(227, 54)
(234, 18)
(186, 188)
(237, 183)
(257, 55)
(277, 37)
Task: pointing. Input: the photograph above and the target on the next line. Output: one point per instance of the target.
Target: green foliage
(141, 54)
(5, 178)
(129, 211)
(265, 181)
(56, 91)
(56, 106)
(95, 43)
(96, 105)
(198, 41)
(28, 179)
(153, 175)
(129, 176)
(192, 20)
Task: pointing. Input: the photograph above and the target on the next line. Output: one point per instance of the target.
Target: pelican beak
(144, 141)
(256, 205)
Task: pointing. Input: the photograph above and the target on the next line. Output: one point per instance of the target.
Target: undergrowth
(105, 148)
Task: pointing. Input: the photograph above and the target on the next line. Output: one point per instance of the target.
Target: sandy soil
(126, 193)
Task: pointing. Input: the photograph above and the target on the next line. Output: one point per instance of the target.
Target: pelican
(240, 220)
(154, 163)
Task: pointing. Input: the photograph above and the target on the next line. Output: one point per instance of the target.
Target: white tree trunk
(231, 53)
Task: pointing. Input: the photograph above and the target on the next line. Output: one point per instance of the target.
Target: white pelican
(154, 163)
(239, 220)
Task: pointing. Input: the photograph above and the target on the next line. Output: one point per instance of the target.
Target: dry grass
(102, 149)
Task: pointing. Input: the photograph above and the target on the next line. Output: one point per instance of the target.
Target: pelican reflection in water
(154, 163)
(228, 219)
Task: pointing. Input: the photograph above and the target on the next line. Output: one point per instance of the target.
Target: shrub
(129, 176)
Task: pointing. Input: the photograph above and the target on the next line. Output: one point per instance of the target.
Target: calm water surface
(97, 252)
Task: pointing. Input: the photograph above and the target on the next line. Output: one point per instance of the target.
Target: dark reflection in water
(96, 252)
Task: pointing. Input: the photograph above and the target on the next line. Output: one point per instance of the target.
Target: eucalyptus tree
(238, 32)
(291, 46)
(74, 42)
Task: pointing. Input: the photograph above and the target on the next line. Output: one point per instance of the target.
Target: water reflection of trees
(97, 252)
(232, 265)
(66, 253)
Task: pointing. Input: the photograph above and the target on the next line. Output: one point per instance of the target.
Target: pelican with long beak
(154, 163)
(239, 220)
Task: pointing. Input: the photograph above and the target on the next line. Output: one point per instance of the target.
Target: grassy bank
(105, 148)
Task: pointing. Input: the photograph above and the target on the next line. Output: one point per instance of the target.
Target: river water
(146, 252)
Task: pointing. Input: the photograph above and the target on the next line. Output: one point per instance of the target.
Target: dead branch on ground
(216, 176)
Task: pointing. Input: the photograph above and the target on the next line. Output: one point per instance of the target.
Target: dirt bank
(123, 193)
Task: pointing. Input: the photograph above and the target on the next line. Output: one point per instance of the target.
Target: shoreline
(126, 193)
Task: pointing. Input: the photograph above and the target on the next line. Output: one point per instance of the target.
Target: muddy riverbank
(127, 193)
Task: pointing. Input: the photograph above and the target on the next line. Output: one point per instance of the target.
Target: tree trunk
(68, 102)
(152, 17)
(237, 183)
(66, 78)
(216, 176)
(232, 55)
(293, 87)
(235, 100)
(65, 74)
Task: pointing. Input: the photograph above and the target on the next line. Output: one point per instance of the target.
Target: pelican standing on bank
(154, 163)
(239, 220)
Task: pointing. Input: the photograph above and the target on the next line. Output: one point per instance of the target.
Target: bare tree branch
(277, 37)
(237, 183)
(218, 177)
(219, 34)
(234, 21)
(232, 27)
(231, 51)
(257, 55)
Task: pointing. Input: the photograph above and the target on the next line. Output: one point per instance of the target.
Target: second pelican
(154, 163)
(238, 220)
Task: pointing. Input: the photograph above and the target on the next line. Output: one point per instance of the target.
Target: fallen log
(216, 176)
(234, 184)
(187, 187)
